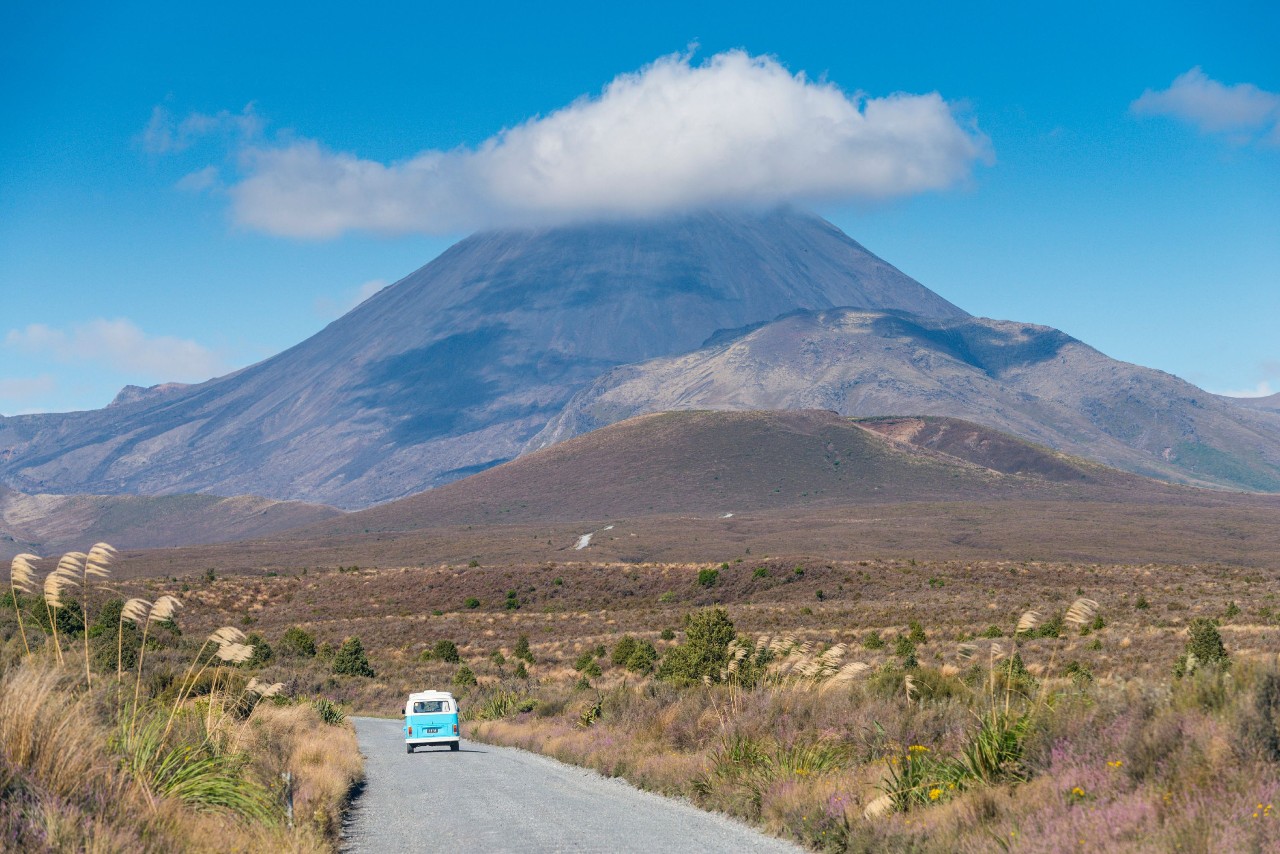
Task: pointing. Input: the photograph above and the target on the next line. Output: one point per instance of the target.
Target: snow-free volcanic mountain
(456, 367)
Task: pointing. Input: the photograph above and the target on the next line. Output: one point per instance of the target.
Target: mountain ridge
(714, 462)
(1032, 381)
(455, 367)
(48, 524)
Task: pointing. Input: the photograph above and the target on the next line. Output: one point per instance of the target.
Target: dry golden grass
(66, 788)
(323, 760)
(832, 692)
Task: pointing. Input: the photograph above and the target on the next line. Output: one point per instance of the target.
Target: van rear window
(423, 707)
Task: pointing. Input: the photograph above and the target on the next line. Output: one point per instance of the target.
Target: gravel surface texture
(486, 798)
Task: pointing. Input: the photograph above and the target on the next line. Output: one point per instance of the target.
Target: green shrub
(465, 677)
(262, 651)
(587, 664)
(916, 632)
(298, 642)
(1141, 603)
(446, 651)
(704, 652)
(642, 658)
(351, 659)
(325, 651)
(1204, 648)
(992, 632)
(873, 640)
(522, 650)
(761, 572)
(668, 634)
(472, 602)
(521, 672)
(1233, 610)
(498, 658)
(708, 577)
(622, 650)
(1080, 674)
(1050, 628)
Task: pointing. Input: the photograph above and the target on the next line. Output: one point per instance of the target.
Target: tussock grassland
(860, 705)
(129, 735)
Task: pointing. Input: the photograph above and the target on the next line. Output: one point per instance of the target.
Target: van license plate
(432, 729)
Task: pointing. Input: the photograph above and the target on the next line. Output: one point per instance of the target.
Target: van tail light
(410, 730)
(455, 729)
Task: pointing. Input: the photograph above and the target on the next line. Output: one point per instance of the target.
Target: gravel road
(485, 798)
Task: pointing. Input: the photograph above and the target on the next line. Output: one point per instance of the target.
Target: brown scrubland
(871, 689)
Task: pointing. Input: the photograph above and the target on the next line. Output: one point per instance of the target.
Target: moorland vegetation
(877, 705)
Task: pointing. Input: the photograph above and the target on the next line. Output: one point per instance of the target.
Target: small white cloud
(1242, 111)
(735, 130)
(200, 180)
(330, 308)
(121, 345)
(1262, 389)
(166, 135)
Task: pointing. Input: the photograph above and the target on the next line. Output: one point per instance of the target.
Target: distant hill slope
(455, 367)
(1031, 381)
(1271, 403)
(50, 524)
(712, 463)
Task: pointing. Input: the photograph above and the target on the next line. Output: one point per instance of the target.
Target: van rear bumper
(431, 739)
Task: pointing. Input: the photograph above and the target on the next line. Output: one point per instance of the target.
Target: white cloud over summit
(734, 130)
(1241, 111)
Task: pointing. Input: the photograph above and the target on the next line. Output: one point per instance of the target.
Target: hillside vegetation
(859, 705)
(708, 462)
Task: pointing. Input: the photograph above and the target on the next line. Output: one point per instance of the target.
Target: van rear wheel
(453, 745)
(408, 748)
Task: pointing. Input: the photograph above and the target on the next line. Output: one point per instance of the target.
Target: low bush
(446, 651)
(351, 660)
(298, 642)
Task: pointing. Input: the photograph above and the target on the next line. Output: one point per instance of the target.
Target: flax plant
(22, 576)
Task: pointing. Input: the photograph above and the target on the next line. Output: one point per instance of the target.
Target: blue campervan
(431, 717)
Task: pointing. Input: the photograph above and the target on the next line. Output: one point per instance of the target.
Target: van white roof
(430, 695)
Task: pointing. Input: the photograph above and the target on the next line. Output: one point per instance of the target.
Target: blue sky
(164, 213)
